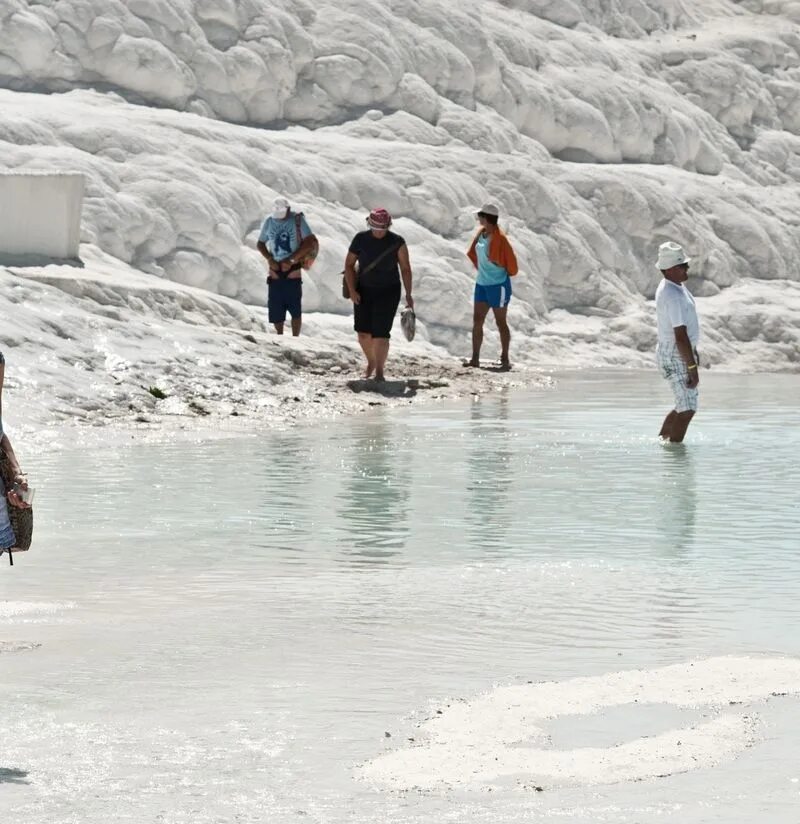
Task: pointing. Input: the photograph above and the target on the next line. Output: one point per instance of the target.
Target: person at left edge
(7, 537)
(284, 242)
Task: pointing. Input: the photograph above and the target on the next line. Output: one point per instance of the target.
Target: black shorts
(284, 295)
(375, 314)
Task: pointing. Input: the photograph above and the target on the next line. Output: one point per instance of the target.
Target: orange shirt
(500, 252)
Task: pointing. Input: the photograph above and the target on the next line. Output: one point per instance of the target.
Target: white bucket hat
(280, 208)
(489, 209)
(670, 254)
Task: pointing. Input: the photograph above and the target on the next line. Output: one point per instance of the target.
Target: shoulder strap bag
(369, 268)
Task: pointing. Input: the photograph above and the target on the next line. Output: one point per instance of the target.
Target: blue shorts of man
(284, 295)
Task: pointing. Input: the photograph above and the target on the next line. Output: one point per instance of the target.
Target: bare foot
(370, 370)
(475, 362)
(505, 365)
(379, 378)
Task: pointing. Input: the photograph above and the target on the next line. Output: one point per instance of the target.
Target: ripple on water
(18, 646)
(32, 611)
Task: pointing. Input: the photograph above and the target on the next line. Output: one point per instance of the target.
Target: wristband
(693, 366)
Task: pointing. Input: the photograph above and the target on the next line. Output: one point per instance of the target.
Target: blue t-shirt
(280, 236)
(489, 274)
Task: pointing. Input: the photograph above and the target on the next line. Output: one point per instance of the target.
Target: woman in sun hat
(494, 259)
(376, 263)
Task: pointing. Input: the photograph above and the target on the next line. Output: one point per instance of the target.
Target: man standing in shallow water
(678, 336)
(491, 254)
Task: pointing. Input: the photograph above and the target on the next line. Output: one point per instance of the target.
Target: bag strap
(395, 248)
(298, 226)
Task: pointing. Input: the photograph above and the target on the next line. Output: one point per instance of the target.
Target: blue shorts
(284, 295)
(498, 297)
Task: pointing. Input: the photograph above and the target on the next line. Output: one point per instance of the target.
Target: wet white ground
(599, 128)
(226, 632)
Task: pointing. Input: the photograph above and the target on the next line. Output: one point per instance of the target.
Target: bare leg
(278, 328)
(381, 353)
(680, 425)
(479, 313)
(368, 348)
(666, 427)
(675, 426)
(297, 324)
(500, 316)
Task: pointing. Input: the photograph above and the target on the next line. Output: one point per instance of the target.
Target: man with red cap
(375, 264)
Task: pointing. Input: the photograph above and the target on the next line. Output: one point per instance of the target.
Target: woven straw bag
(21, 519)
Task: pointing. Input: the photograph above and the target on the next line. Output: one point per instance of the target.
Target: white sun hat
(670, 254)
(280, 208)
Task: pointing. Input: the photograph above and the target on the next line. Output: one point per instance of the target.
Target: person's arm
(405, 273)
(273, 264)
(684, 346)
(678, 319)
(471, 253)
(265, 253)
(350, 276)
(307, 246)
(5, 445)
(13, 498)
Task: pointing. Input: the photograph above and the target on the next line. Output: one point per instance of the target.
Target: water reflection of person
(489, 473)
(677, 510)
(375, 496)
(290, 501)
(675, 608)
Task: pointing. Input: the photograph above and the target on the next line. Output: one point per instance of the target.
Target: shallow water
(233, 627)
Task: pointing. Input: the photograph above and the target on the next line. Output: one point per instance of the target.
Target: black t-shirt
(368, 247)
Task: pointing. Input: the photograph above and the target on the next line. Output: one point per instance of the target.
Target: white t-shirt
(675, 306)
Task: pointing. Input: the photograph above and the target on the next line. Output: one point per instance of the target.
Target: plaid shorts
(674, 370)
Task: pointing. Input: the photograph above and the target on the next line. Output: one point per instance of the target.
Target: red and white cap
(379, 219)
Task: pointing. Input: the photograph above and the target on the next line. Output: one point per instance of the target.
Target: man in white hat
(286, 241)
(678, 336)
